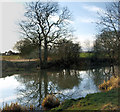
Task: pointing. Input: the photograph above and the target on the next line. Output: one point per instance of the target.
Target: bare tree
(108, 19)
(105, 45)
(46, 22)
(109, 24)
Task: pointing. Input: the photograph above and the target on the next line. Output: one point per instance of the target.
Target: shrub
(114, 82)
(49, 102)
(16, 108)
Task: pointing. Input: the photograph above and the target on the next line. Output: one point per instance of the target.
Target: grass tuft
(15, 107)
(114, 82)
(109, 106)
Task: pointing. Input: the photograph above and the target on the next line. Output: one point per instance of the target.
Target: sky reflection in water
(31, 88)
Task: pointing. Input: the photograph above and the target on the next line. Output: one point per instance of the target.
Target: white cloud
(83, 39)
(86, 20)
(93, 8)
(54, 18)
(69, 21)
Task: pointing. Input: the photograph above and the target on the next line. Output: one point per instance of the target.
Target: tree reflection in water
(37, 85)
(64, 84)
(104, 73)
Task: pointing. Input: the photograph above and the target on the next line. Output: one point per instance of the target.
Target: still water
(31, 88)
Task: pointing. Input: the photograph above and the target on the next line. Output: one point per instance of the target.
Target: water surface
(31, 88)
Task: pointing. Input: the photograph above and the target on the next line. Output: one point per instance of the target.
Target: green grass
(86, 55)
(97, 101)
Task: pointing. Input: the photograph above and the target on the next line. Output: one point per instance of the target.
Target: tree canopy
(108, 40)
(47, 23)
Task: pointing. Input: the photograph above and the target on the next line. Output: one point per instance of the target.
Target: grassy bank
(81, 64)
(86, 60)
(97, 101)
(106, 100)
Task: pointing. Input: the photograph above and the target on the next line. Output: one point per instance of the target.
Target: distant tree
(66, 50)
(10, 53)
(25, 47)
(88, 47)
(46, 22)
(105, 45)
(109, 39)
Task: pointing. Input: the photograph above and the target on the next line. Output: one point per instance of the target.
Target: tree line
(46, 31)
(107, 42)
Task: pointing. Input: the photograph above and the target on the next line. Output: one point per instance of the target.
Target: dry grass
(16, 108)
(16, 58)
(114, 82)
(23, 60)
(12, 57)
(50, 102)
(109, 106)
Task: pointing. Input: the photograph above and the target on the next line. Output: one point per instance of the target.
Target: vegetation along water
(52, 71)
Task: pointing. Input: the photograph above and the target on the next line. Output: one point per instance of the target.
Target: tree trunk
(40, 87)
(40, 53)
(45, 52)
(45, 83)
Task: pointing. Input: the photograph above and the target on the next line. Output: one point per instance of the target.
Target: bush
(114, 82)
(49, 102)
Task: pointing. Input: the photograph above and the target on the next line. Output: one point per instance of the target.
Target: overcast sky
(84, 16)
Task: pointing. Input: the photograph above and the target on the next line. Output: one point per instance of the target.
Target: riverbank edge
(9, 67)
(97, 101)
(102, 102)
(56, 64)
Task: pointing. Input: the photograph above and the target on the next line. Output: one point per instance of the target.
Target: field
(86, 55)
(16, 58)
(12, 57)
